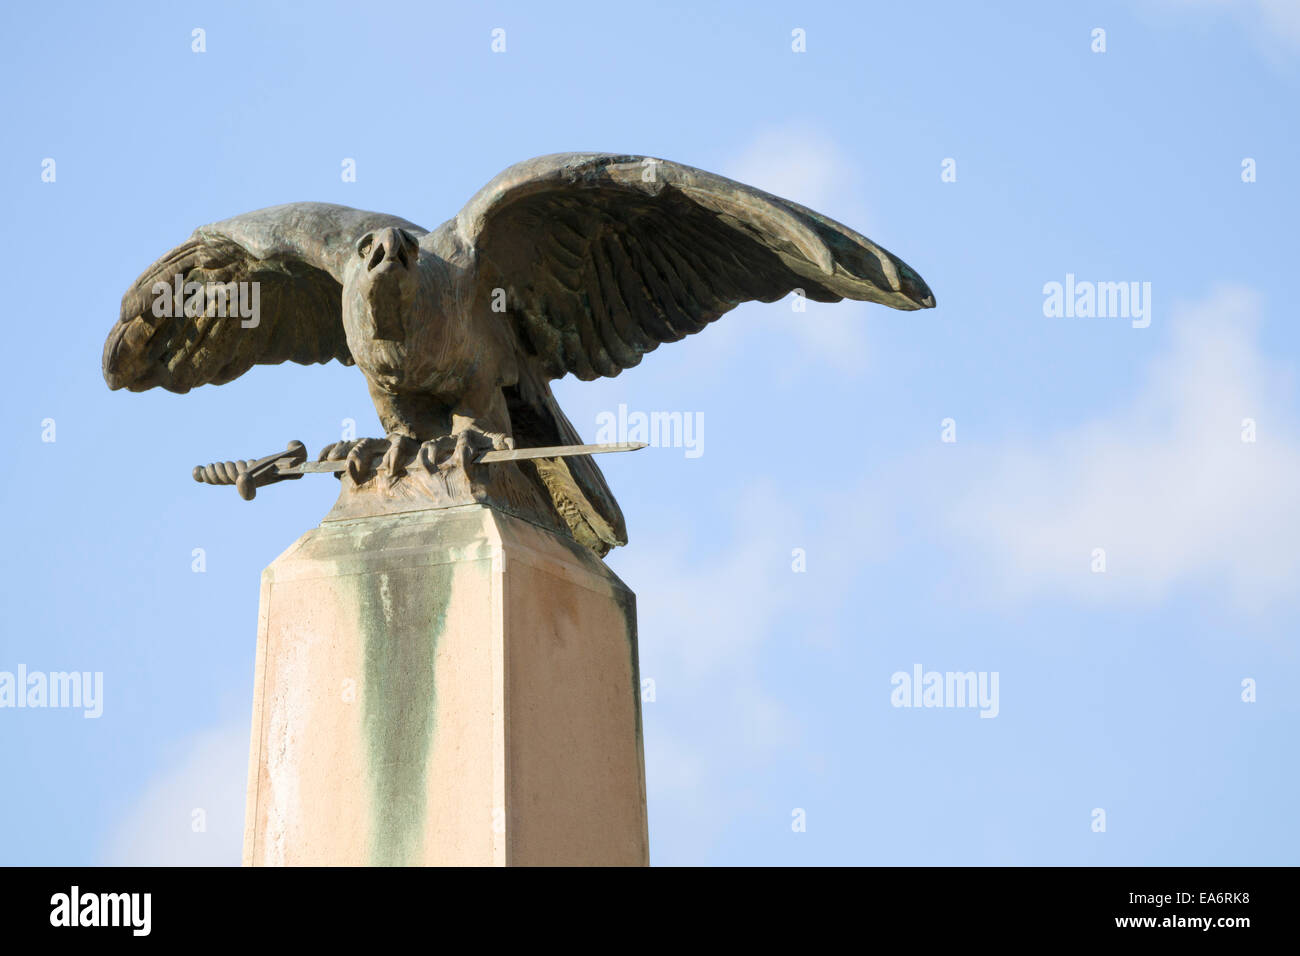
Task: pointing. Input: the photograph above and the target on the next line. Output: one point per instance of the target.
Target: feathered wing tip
(256, 289)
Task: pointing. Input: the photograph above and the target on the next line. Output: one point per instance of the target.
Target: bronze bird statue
(572, 263)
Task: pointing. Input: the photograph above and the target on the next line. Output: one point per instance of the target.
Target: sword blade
(559, 451)
(285, 466)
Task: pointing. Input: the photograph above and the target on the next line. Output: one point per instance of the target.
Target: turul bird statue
(572, 263)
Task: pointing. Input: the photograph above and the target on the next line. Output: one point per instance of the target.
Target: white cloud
(704, 620)
(801, 163)
(209, 777)
(708, 614)
(708, 618)
(1281, 17)
(1273, 24)
(1166, 486)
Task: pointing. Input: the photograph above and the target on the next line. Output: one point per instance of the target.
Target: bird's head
(381, 293)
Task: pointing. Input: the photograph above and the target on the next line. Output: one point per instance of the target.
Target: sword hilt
(248, 476)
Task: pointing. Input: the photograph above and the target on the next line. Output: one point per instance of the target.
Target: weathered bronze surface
(572, 263)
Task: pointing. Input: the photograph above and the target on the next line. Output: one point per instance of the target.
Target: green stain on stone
(402, 617)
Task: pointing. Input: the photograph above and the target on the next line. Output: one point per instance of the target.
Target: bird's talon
(361, 455)
(401, 452)
(433, 452)
(337, 451)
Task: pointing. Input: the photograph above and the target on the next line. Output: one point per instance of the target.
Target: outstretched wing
(603, 257)
(283, 265)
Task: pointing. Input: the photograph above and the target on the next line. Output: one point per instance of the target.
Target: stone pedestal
(445, 687)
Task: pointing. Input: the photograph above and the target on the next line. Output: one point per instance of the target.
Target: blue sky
(1119, 691)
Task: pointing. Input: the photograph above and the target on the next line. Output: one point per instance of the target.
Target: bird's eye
(363, 246)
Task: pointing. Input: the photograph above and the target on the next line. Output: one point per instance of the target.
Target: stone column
(445, 687)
